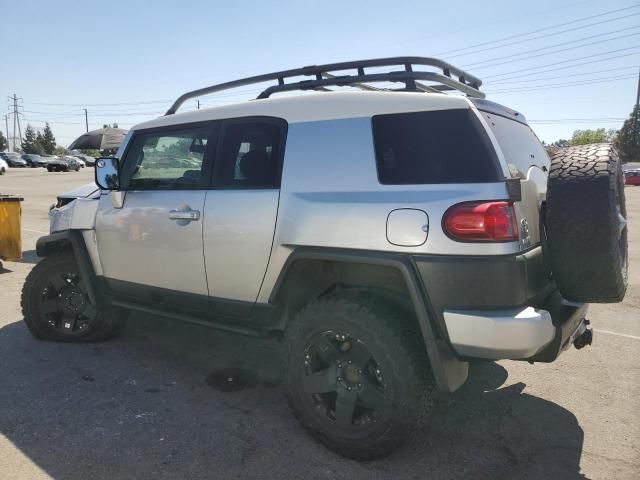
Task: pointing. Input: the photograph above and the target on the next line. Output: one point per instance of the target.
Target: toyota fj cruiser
(389, 234)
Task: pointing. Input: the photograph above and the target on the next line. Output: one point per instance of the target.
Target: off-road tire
(396, 344)
(586, 224)
(107, 322)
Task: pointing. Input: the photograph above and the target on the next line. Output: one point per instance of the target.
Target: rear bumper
(529, 333)
(498, 334)
(499, 307)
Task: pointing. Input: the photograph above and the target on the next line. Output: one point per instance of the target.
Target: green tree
(60, 150)
(91, 152)
(48, 140)
(30, 142)
(561, 143)
(583, 137)
(628, 140)
(3, 142)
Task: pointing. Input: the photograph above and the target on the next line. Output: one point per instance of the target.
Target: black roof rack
(323, 78)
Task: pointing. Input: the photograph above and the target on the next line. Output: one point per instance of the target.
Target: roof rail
(323, 78)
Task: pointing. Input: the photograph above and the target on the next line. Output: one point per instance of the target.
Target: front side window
(250, 155)
(172, 159)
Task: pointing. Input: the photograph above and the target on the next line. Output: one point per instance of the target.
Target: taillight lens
(482, 221)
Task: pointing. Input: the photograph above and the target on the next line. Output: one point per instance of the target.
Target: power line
(592, 119)
(563, 85)
(557, 51)
(572, 75)
(564, 121)
(544, 36)
(99, 104)
(491, 42)
(564, 62)
(146, 102)
(535, 50)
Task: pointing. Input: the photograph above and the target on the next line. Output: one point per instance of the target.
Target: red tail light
(482, 221)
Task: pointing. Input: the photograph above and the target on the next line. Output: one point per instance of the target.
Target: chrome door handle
(188, 215)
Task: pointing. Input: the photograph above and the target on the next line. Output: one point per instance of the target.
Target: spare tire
(586, 224)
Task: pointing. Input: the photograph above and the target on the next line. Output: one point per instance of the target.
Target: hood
(90, 190)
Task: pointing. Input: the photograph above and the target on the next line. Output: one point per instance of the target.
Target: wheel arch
(310, 272)
(72, 240)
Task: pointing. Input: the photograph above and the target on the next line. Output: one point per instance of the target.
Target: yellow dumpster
(10, 231)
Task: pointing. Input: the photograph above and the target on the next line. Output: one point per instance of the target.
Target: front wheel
(357, 374)
(56, 306)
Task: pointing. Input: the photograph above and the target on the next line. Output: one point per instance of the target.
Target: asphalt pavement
(170, 400)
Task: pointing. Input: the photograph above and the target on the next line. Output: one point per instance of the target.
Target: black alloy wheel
(57, 306)
(357, 373)
(343, 380)
(65, 304)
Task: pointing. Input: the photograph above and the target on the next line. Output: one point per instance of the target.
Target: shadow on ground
(29, 256)
(150, 404)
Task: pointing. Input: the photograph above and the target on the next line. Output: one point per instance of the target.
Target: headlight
(60, 218)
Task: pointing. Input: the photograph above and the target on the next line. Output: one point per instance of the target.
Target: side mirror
(106, 173)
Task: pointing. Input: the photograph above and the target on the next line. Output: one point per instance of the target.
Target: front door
(151, 249)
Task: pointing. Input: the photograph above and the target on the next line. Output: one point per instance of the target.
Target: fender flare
(449, 372)
(73, 240)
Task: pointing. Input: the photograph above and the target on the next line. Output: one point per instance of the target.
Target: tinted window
(171, 159)
(250, 154)
(447, 146)
(520, 146)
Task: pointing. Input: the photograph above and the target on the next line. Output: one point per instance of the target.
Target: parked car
(64, 164)
(632, 177)
(33, 160)
(388, 238)
(13, 159)
(88, 160)
(4, 166)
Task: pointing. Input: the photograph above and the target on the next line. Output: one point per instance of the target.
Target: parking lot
(157, 403)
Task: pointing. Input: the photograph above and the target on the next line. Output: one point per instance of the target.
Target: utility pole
(16, 120)
(86, 119)
(15, 115)
(14, 108)
(6, 124)
(638, 94)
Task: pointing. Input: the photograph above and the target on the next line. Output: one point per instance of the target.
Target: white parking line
(35, 231)
(608, 332)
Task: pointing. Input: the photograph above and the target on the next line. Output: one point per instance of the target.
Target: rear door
(240, 211)
(151, 248)
(526, 159)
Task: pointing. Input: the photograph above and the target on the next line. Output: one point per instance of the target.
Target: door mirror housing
(107, 174)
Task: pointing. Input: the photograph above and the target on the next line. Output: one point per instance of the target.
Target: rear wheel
(357, 374)
(56, 306)
(586, 224)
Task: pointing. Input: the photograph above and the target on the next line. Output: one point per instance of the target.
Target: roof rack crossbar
(466, 83)
(404, 77)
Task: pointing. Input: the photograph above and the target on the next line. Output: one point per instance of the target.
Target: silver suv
(388, 234)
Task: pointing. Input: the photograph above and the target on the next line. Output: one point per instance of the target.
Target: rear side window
(445, 146)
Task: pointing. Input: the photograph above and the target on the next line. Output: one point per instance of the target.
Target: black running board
(206, 322)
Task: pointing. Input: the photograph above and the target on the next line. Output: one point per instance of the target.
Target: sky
(566, 65)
